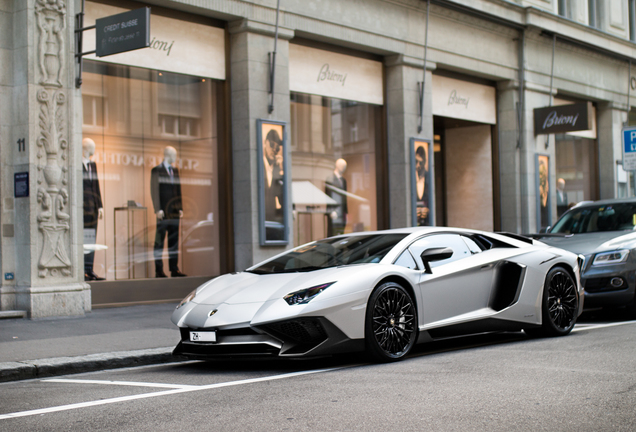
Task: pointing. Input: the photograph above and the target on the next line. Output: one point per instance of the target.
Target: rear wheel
(391, 322)
(560, 305)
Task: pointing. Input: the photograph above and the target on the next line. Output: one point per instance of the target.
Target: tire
(391, 323)
(559, 306)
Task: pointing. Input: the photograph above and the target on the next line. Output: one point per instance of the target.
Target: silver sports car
(383, 292)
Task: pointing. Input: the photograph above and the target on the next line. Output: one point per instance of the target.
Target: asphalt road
(507, 382)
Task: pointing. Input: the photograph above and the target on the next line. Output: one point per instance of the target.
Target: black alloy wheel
(391, 324)
(560, 304)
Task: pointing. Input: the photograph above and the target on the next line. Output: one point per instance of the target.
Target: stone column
(402, 106)
(509, 155)
(46, 246)
(250, 43)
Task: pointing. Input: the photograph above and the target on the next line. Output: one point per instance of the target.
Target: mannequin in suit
(334, 186)
(92, 202)
(165, 190)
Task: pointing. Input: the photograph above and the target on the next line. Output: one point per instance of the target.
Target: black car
(605, 233)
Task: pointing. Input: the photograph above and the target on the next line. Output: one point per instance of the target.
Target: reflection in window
(576, 171)
(334, 144)
(133, 115)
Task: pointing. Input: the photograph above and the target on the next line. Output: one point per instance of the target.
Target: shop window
(334, 146)
(576, 171)
(136, 117)
(93, 111)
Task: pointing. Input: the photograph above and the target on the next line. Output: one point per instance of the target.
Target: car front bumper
(299, 337)
(611, 286)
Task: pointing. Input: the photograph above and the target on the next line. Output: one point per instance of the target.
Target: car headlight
(305, 295)
(188, 298)
(607, 258)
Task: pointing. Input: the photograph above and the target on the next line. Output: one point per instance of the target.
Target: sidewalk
(103, 339)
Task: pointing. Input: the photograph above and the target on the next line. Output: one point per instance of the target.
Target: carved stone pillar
(48, 264)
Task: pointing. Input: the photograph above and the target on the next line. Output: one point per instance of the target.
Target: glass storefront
(334, 150)
(576, 171)
(156, 137)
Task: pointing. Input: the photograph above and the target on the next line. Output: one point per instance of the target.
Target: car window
(597, 218)
(406, 260)
(332, 252)
(454, 241)
(472, 245)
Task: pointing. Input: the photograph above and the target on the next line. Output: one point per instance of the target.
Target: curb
(29, 369)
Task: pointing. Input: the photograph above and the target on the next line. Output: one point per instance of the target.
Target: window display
(334, 147)
(155, 137)
(576, 171)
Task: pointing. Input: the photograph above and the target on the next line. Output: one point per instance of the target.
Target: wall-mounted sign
(330, 74)
(175, 45)
(464, 100)
(629, 148)
(563, 118)
(21, 184)
(123, 32)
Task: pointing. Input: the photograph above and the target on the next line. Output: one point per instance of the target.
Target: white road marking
(120, 383)
(581, 327)
(157, 394)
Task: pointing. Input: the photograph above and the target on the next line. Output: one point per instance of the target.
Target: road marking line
(157, 394)
(121, 383)
(598, 326)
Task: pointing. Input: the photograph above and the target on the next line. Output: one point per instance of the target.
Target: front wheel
(560, 305)
(391, 322)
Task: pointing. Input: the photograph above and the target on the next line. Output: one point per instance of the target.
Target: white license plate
(208, 336)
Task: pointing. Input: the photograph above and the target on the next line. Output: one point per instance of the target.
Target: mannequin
(165, 190)
(335, 185)
(93, 210)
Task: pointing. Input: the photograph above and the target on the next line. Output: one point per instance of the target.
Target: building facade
(248, 127)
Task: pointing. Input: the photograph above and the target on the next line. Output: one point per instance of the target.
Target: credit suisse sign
(123, 32)
(562, 118)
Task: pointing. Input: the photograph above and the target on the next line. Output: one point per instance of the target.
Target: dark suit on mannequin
(92, 204)
(165, 190)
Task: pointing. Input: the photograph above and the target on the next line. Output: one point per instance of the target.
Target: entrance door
(464, 163)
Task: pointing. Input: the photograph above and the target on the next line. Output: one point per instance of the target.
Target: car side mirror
(435, 254)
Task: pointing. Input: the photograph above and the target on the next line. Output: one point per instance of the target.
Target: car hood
(245, 287)
(239, 298)
(589, 243)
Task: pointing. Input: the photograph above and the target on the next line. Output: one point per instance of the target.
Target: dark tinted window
(612, 217)
(331, 253)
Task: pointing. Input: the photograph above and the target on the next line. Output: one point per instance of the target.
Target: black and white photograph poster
(544, 217)
(421, 185)
(273, 181)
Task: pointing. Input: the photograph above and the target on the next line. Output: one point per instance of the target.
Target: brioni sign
(330, 74)
(464, 100)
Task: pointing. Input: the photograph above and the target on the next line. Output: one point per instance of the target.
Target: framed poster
(542, 183)
(421, 183)
(273, 172)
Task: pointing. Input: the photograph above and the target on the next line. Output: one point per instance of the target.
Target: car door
(457, 286)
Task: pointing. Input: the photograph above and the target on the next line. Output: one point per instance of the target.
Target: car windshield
(598, 218)
(332, 252)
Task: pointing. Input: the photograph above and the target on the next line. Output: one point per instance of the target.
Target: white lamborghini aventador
(384, 292)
